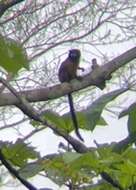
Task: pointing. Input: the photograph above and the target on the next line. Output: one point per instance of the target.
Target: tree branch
(110, 180)
(28, 110)
(4, 5)
(96, 77)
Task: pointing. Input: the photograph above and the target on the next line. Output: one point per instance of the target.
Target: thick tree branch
(96, 77)
(4, 5)
(24, 105)
(28, 110)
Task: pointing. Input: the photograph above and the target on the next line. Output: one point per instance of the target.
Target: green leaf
(64, 121)
(54, 118)
(68, 124)
(121, 167)
(12, 55)
(132, 122)
(131, 112)
(126, 174)
(19, 152)
(30, 170)
(130, 154)
(70, 157)
(35, 124)
(93, 112)
(87, 161)
(101, 186)
(86, 119)
(102, 121)
(60, 171)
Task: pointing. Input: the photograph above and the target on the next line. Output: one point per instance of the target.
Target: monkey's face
(74, 54)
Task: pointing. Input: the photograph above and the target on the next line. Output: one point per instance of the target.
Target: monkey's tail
(73, 115)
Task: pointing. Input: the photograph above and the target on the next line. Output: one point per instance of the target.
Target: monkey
(94, 64)
(102, 80)
(67, 72)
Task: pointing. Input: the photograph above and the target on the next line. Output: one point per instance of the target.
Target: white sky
(48, 142)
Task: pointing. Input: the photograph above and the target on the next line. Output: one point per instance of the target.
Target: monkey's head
(94, 64)
(74, 54)
(94, 61)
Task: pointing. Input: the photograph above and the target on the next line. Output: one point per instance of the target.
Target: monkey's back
(67, 70)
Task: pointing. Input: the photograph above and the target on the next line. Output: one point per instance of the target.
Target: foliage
(18, 153)
(12, 55)
(131, 112)
(41, 32)
(88, 119)
(74, 168)
(80, 169)
(93, 112)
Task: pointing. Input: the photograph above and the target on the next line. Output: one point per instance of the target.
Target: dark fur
(94, 64)
(67, 72)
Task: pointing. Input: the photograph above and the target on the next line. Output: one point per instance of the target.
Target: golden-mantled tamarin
(67, 72)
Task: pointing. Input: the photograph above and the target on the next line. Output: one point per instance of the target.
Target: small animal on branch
(67, 72)
(101, 81)
(94, 64)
